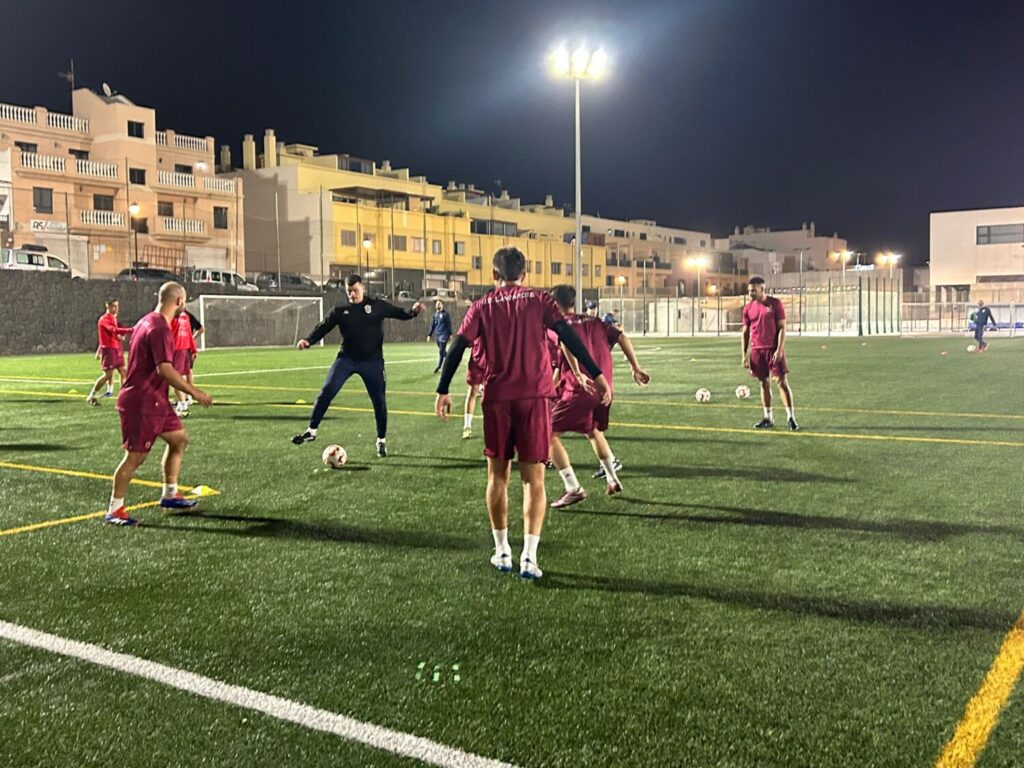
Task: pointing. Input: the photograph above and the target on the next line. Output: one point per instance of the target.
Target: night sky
(861, 116)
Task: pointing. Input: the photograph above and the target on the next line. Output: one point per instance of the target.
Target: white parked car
(223, 277)
(34, 261)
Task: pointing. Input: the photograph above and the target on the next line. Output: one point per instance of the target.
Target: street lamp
(367, 242)
(843, 256)
(133, 212)
(698, 262)
(580, 65)
(621, 280)
(889, 258)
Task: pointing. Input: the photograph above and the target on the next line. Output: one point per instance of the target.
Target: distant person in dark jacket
(982, 319)
(441, 330)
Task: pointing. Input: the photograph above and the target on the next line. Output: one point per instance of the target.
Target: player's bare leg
(534, 509)
(574, 492)
(766, 402)
(606, 458)
(787, 400)
(130, 462)
(174, 454)
(103, 380)
(498, 472)
(467, 412)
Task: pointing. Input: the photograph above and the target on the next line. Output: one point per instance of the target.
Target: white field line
(378, 737)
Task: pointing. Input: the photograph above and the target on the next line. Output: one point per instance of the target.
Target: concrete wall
(956, 259)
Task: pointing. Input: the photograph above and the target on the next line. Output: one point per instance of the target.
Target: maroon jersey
(512, 323)
(598, 337)
(763, 320)
(144, 390)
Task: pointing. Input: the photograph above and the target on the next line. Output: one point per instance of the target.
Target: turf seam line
(983, 710)
(369, 734)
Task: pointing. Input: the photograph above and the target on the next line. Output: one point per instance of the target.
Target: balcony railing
(92, 168)
(161, 138)
(194, 143)
(15, 114)
(171, 179)
(103, 219)
(67, 122)
(211, 184)
(43, 162)
(185, 226)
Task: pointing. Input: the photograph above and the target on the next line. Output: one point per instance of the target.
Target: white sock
(170, 489)
(114, 505)
(568, 476)
(467, 421)
(609, 469)
(381, 440)
(768, 413)
(110, 387)
(501, 546)
(92, 392)
(530, 543)
(311, 430)
(789, 412)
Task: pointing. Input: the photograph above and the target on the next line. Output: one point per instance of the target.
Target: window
(418, 245)
(460, 248)
(103, 202)
(183, 168)
(643, 235)
(348, 237)
(597, 271)
(140, 225)
(53, 263)
(478, 262)
(586, 270)
(220, 217)
(618, 233)
(27, 147)
(703, 243)
(538, 267)
(396, 242)
(679, 240)
(568, 270)
(79, 154)
(136, 129)
(1001, 233)
(137, 175)
(164, 208)
(42, 200)
(435, 247)
(556, 267)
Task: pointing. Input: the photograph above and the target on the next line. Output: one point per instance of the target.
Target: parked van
(33, 261)
(444, 294)
(222, 277)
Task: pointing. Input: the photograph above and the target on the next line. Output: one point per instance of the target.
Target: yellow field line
(86, 475)
(75, 519)
(621, 401)
(982, 712)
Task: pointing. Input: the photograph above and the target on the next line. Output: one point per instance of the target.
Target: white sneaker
(529, 569)
(502, 561)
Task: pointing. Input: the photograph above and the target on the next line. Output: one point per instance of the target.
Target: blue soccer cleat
(177, 502)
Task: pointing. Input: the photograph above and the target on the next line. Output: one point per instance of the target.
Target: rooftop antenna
(69, 76)
(106, 91)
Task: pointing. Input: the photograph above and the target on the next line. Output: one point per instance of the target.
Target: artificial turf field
(832, 597)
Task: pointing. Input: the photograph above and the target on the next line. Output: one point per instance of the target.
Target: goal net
(256, 321)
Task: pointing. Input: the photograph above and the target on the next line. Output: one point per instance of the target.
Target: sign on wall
(42, 225)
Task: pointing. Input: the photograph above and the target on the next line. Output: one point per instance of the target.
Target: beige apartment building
(107, 189)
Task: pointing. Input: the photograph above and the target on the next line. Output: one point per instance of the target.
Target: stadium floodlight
(843, 256)
(580, 65)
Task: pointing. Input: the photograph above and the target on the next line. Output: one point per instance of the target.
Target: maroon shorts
(140, 430)
(520, 427)
(761, 365)
(111, 358)
(579, 412)
(182, 361)
(475, 375)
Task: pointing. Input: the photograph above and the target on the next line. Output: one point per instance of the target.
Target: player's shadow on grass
(319, 530)
(927, 617)
(762, 474)
(434, 462)
(914, 530)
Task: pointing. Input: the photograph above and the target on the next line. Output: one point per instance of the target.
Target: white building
(790, 245)
(977, 254)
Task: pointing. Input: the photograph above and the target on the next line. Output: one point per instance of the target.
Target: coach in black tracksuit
(361, 323)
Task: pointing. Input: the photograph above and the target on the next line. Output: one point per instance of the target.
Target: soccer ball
(971, 348)
(742, 391)
(703, 395)
(334, 456)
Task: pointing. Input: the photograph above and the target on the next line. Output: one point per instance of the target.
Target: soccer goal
(257, 321)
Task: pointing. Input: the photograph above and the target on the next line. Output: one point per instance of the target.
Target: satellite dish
(106, 90)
